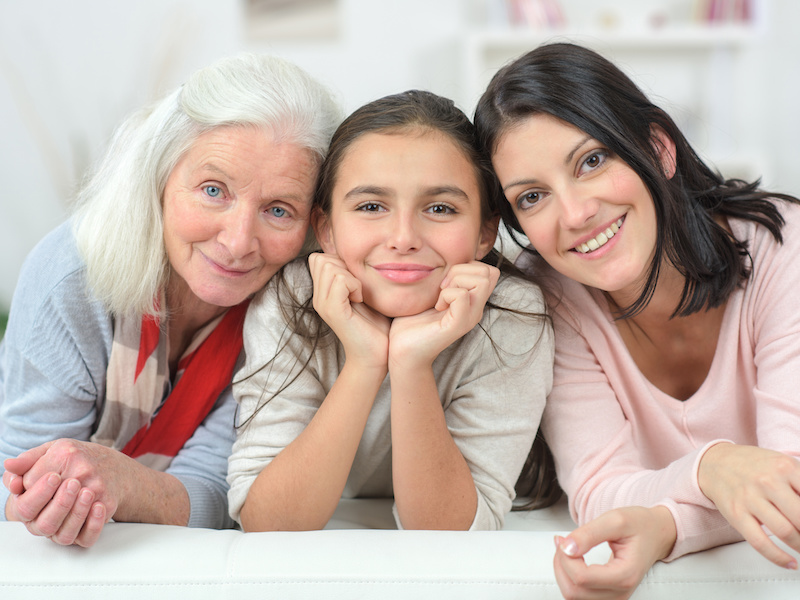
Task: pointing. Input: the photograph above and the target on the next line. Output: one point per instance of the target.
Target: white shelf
(687, 69)
(665, 38)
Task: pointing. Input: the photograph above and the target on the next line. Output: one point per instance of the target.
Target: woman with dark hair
(676, 332)
(421, 371)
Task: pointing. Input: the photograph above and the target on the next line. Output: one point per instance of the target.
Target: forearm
(433, 485)
(153, 497)
(301, 487)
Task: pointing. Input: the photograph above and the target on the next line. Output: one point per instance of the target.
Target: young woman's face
(405, 208)
(236, 209)
(584, 210)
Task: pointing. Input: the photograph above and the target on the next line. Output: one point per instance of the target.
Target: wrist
(708, 465)
(667, 531)
(367, 372)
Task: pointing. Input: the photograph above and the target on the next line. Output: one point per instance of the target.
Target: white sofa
(358, 556)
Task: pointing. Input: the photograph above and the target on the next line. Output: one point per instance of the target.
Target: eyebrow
(374, 190)
(207, 166)
(367, 190)
(568, 159)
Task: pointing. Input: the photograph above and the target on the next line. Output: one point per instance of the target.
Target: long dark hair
(582, 88)
(412, 111)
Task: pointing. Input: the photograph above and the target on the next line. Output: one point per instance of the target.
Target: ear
(665, 149)
(488, 236)
(322, 229)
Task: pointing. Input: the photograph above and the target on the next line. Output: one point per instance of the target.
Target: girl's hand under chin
(338, 300)
(464, 293)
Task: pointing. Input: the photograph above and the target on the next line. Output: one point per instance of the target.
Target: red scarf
(204, 371)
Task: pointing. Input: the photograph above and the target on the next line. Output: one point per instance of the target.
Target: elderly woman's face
(236, 209)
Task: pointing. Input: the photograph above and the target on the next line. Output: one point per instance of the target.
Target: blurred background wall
(70, 71)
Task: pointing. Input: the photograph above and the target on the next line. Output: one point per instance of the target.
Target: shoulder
(515, 318)
(53, 281)
(290, 283)
(516, 293)
(52, 260)
(55, 323)
(279, 303)
(761, 244)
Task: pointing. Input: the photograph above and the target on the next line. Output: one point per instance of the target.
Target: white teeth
(601, 238)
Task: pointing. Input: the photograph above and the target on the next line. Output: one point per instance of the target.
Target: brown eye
(527, 200)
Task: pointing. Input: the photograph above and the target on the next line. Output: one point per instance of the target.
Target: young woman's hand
(464, 292)
(638, 537)
(338, 300)
(751, 487)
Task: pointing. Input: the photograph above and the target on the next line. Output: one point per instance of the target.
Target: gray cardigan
(53, 363)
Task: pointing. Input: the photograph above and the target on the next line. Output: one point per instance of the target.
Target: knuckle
(580, 579)
(761, 544)
(62, 539)
(786, 532)
(785, 465)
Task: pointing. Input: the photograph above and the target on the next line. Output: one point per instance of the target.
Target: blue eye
(213, 191)
(277, 211)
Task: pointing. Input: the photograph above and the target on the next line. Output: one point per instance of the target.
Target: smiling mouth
(229, 271)
(403, 273)
(601, 239)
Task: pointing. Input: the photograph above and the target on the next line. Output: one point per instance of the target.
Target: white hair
(118, 223)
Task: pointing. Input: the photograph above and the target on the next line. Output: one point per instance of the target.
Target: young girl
(421, 371)
(678, 336)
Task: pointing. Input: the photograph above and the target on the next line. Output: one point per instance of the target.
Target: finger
(752, 531)
(576, 579)
(30, 503)
(94, 526)
(783, 515)
(22, 463)
(608, 526)
(466, 275)
(781, 520)
(75, 519)
(565, 584)
(333, 282)
(13, 482)
(456, 302)
(49, 520)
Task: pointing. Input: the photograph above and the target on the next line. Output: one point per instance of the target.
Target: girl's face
(584, 210)
(404, 209)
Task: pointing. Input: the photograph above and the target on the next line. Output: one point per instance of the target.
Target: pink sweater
(619, 441)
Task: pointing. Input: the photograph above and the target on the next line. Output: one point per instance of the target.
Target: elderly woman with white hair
(125, 328)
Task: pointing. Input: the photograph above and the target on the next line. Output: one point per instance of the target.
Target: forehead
(539, 126)
(424, 152)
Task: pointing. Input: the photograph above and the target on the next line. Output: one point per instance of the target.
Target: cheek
(281, 247)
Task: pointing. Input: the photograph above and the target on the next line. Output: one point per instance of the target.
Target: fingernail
(792, 565)
(557, 539)
(73, 487)
(86, 496)
(569, 547)
(53, 480)
(97, 511)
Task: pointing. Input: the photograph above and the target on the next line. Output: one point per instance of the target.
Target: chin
(395, 311)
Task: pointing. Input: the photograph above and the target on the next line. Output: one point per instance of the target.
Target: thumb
(586, 537)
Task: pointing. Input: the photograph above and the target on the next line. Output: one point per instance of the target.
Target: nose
(404, 235)
(577, 208)
(238, 232)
